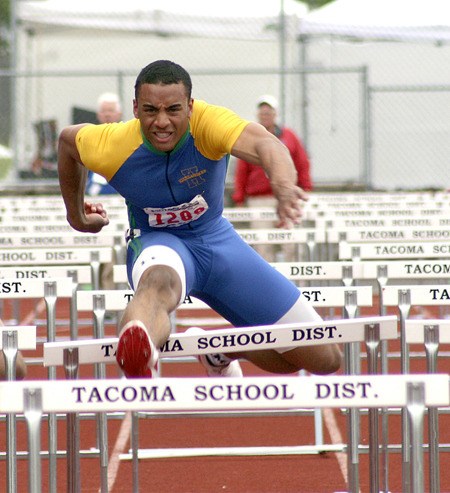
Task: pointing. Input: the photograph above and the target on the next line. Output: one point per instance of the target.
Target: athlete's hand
(290, 204)
(91, 220)
(96, 217)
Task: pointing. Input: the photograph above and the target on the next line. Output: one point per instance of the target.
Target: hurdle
(393, 250)
(50, 289)
(344, 272)
(14, 338)
(404, 297)
(310, 237)
(93, 256)
(431, 333)
(411, 392)
(234, 340)
(115, 240)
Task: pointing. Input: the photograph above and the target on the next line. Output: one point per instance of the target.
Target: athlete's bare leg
(320, 360)
(157, 295)
(145, 325)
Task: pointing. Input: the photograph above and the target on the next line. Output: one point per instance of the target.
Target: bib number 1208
(170, 217)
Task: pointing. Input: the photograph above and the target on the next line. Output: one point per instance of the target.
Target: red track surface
(271, 474)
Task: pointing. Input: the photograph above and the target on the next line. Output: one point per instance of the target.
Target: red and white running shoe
(217, 365)
(136, 354)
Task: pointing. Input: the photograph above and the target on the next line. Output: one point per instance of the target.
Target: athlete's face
(164, 112)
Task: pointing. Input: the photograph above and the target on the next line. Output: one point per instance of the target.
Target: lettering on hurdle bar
(68, 240)
(423, 294)
(41, 256)
(380, 222)
(325, 296)
(333, 213)
(35, 288)
(327, 270)
(393, 235)
(390, 250)
(233, 339)
(83, 272)
(242, 214)
(207, 394)
(277, 236)
(402, 269)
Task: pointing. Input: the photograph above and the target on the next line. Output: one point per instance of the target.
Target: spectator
(252, 187)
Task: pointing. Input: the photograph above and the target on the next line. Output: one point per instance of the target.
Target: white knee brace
(159, 255)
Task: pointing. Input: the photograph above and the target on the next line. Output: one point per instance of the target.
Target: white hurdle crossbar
(411, 392)
(233, 339)
(218, 394)
(392, 250)
(322, 296)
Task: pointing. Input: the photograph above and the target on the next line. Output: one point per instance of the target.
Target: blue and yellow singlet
(182, 189)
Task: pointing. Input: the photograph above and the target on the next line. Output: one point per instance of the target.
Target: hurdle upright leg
(33, 414)
(431, 337)
(352, 367)
(102, 426)
(9, 342)
(50, 295)
(415, 410)
(135, 450)
(73, 427)
(382, 279)
(73, 306)
(372, 336)
(404, 306)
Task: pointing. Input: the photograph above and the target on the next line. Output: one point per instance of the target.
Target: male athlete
(169, 163)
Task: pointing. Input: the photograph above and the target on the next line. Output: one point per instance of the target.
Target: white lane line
(119, 448)
(336, 439)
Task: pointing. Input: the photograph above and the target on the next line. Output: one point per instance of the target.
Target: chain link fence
(372, 114)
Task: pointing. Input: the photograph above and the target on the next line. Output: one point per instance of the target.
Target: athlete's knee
(330, 362)
(321, 360)
(162, 281)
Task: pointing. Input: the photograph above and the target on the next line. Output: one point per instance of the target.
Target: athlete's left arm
(82, 216)
(258, 146)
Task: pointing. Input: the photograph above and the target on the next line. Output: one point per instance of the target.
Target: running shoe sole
(136, 355)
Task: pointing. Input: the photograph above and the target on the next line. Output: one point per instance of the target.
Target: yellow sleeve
(104, 148)
(215, 129)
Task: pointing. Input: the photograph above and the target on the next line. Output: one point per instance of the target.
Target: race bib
(178, 215)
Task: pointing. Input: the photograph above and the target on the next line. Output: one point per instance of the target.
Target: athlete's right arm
(81, 215)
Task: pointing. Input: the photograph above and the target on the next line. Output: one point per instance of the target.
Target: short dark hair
(163, 72)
